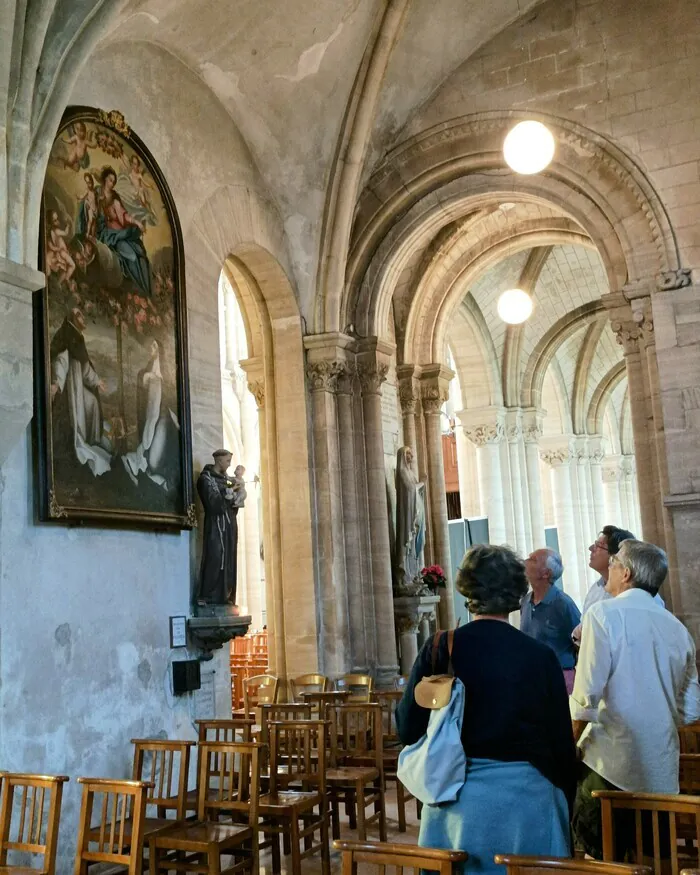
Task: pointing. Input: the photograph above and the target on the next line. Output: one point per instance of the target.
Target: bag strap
(450, 645)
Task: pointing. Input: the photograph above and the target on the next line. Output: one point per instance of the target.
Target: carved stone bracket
(214, 626)
(675, 279)
(556, 456)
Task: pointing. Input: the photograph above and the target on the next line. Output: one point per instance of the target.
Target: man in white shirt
(636, 683)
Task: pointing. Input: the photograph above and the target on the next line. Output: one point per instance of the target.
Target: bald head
(543, 567)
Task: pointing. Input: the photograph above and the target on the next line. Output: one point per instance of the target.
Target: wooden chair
(382, 854)
(689, 738)
(259, 690)
(298, 756)
(320, 701)
(118, 833)
(360, 686)
(389, 699)
(689, 774)
(307, 683)
(680, 810)
(34, 827)
(356, 773)
(548, 865)
(233, 790)
(166, 765)
(284, 711)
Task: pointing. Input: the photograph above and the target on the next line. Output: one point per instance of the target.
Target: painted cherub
(135, 172)
(76, 147)
(58, 257)
(88, 207)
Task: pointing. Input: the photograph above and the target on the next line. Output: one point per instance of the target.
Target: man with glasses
(636, 683)
(605, 545)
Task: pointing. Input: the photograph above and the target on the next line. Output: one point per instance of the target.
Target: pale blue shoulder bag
(434, 768)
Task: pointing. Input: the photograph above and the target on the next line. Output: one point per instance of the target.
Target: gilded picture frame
(112, 419)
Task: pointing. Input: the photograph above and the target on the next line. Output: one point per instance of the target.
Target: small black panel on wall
(186, 676)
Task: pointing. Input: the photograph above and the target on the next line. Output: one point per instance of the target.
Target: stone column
(532, 432)
(484, 428)
(274, 609)
(372, 367)
(17, 282)
(558, 454)
(251, 510)
(629, 332)
(468, 474)
(514, 436)
(596, 455)
(409, 399)
(611, 491)
(581, 472)
(351, 518)
(435, 381)
(407, 628)
(322, 371)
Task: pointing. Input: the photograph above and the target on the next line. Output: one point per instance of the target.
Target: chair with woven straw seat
(116, 837)
(298, 758)
(233, 791)
(517, 865)
(382, 855)
(30, 811)
(356, 772)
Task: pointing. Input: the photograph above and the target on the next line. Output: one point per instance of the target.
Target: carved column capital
(487, 433)
(532, 420)
(323, 376)
(558, 451)
(346, 378)
(409, 388)
(257, 389)
(434, 387)
(407, 624)
(371, 376)
(628, 334)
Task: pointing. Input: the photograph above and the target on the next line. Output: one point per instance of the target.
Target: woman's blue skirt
(503, 808)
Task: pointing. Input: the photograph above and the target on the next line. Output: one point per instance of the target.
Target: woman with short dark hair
(517, 735)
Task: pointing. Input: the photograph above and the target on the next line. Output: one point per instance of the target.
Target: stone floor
(312, 865)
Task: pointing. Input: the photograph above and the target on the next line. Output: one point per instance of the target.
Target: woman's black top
(516, 705)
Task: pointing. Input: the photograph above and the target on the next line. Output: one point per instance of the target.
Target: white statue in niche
(410, 525)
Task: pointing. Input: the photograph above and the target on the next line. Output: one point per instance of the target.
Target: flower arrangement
(433, 577)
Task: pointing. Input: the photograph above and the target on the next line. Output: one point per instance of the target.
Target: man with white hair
(547, 613)
(636, 683)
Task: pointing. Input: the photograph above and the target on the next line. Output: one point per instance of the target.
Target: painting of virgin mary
(113, 421)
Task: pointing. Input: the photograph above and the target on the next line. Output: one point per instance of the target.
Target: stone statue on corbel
(410, 528)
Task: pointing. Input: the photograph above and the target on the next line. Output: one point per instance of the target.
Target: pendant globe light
(529, 147)
(514, 306)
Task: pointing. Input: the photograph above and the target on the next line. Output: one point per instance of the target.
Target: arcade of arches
(348, 224)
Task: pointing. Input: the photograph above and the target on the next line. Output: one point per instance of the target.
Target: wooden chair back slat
(355, 734)
(234, 785)
(301, 747)
(259, 690)
(679, 810)
(29, 816)
(165, 764)
(307, 683)
(118, 802)
(383, 854)
(520, 865)
(359, 686)
(689, 738)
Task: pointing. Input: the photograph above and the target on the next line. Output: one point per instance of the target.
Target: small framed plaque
(178, 631)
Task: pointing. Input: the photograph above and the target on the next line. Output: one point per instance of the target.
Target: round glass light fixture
(514, 306)
(528, 147)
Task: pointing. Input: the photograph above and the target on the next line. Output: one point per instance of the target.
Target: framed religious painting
(111, 391)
